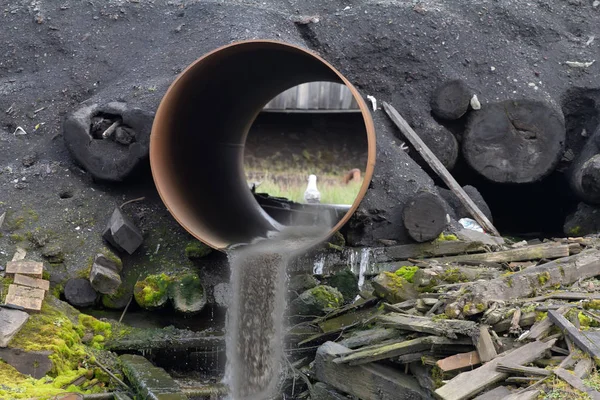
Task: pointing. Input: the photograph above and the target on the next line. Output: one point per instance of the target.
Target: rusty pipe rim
(205, 233)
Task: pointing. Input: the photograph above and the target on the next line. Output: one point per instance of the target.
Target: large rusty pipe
(200, 128)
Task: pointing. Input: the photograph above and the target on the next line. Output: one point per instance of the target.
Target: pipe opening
(200, 131)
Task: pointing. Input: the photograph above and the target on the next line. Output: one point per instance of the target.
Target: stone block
(11, 322)
(25, 280)
(80, 293)
(30, 268)
(122, 233)
(104, 280)
(26, 297)
(149, 381)
(34, 363)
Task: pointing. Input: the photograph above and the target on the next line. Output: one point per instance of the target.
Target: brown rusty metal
(200, 128)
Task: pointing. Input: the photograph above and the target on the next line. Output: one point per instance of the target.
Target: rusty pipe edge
(200, 128)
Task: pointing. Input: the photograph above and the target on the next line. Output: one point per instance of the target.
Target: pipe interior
(199, 132)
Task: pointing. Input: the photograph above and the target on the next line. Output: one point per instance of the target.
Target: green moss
(543, 278)
(15, 237)
(4, 284)
(46, 275)
(437, 376)
(196, 250)
(113, 300)
(443, 237)
(540, 315)
(325, 296)
(439, 317)
(58, 290)
(395, 281)
(561, 270)
(337, 239)
(586, 321)
(453, 275)
(153, 291)
(190, 287)
(509, 281)
(51, 330)
(575, 231)
(407, 272)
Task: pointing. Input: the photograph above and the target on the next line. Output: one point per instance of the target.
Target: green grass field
(292, 185)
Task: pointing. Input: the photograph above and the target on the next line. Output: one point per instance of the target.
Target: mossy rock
(119, 300)
(317, 301)
(196, 250)
(187, 293)
(301, 283)
(53, 253)
(346, 282)
(393, 288)
(337, 239)
(58, 328)
(152, 292)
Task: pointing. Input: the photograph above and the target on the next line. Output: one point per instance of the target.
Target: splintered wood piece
(439, 168)
(31, 268)
(581, 340)
(576, 382)
(583, 368)
(459, 361)
(468, 384)
(536, 252)
(25, 280)
(485, 345)
(26, 297)
(526, 395)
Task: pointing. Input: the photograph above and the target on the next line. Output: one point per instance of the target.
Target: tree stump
(451, 100)
(514, 141)
(425, 216)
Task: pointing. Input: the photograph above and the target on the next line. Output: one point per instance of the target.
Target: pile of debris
(463, 320)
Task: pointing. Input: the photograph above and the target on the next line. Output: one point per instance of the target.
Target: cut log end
(451, 100)
(514, 141)
(425, 216)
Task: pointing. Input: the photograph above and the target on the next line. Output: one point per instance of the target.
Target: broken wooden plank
(468, 384)
(20, 254)
(518, 369)
(562, 296)
(579, 337)
(376, 353)
(459, 361)
(547, 250)
(527, 319)
(439, 168)
(370, 337)
(25, 280)
(576, 383)
(442, 327)
(521, 379)
(563, 271)
(538, 330)
(499, 393)
(26, 297)
(583, 368)
(526, 395)
(367, 382)
(485, 345)
(31, 268)
(435, 248)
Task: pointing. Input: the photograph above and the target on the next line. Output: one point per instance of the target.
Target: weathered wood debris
(510, 322)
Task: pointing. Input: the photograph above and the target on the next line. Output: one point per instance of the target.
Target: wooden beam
(576, 383)
(428, 250)
(518, 369)
(443, 327)
(468, 384)
(499, 393)
(459, 361)
(439, 168)
(485, 345)
(581, 340)
(367, 382)
(26, 297)
(583, 368)
(537, 252)
(382, 352)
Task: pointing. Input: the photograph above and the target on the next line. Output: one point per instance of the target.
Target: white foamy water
(255, 314)
(319, 265)
(365, 258)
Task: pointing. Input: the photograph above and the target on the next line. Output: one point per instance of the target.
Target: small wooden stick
(132, 201)
(108, 132)
(125, 310)
(120, 382)
(439, 168)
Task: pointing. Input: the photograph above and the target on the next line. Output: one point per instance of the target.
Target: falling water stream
(255, 315)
